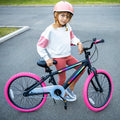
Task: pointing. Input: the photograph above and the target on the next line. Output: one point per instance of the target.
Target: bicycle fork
(98, 86)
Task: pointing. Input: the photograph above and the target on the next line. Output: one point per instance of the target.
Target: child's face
(64, 18)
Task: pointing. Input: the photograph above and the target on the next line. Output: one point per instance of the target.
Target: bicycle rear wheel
(97, 100)
(15, 87)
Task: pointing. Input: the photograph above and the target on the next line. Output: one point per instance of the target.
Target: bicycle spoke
(16, 91)
(97, 98)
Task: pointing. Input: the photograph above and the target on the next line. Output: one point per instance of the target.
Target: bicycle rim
(20, 102)
(97, 100)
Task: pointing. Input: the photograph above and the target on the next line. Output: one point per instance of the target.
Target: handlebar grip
(99, 41)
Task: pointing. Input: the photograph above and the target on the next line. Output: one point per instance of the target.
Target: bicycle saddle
(42, 63)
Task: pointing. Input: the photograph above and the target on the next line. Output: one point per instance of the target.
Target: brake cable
(95, 50)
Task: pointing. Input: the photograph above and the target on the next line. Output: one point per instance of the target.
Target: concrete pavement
(19, 55)
(17, 32)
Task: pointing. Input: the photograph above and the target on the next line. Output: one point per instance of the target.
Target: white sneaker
(71, 93)
(69, 99)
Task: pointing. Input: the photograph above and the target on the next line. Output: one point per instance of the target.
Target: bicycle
(28, 92)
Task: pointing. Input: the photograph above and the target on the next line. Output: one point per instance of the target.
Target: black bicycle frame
(82, 65)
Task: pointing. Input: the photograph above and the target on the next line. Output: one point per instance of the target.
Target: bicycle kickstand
(65, 102)
(54, 100)
(65, 106)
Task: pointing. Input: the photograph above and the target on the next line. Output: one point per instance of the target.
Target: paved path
(19, 54)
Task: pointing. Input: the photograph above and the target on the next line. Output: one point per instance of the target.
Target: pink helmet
(63, 6)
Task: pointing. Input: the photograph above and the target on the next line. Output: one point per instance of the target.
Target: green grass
(6, 30)
(49, 2)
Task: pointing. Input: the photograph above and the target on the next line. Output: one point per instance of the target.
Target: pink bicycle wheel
(15, 88)
(96, 99)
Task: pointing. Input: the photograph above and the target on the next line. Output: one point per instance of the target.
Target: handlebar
(94, 41)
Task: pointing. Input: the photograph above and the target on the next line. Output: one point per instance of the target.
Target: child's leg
(71, 61)
(61, 63)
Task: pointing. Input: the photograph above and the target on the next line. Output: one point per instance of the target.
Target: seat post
(47, 69)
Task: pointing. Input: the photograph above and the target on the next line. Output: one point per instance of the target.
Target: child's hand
(49, 62)
(80, 48)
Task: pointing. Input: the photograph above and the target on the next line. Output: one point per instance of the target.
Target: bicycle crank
(56, 91)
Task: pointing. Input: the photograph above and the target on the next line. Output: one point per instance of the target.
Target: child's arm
(42, 44)
(76, 41)
(42, 52)
(80, 47)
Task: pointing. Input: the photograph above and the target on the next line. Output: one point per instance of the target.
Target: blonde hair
(56, 14)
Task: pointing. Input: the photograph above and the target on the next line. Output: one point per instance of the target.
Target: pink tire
(97, 100)
(15, 88)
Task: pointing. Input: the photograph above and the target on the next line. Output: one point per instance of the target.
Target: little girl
(57, 39)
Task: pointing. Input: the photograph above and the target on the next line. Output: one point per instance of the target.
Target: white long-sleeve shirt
(57, 42)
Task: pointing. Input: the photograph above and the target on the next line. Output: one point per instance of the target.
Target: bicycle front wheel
(16, 86)
(95, 99)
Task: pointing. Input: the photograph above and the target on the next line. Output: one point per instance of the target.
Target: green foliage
(49, 2)
(6, 30)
